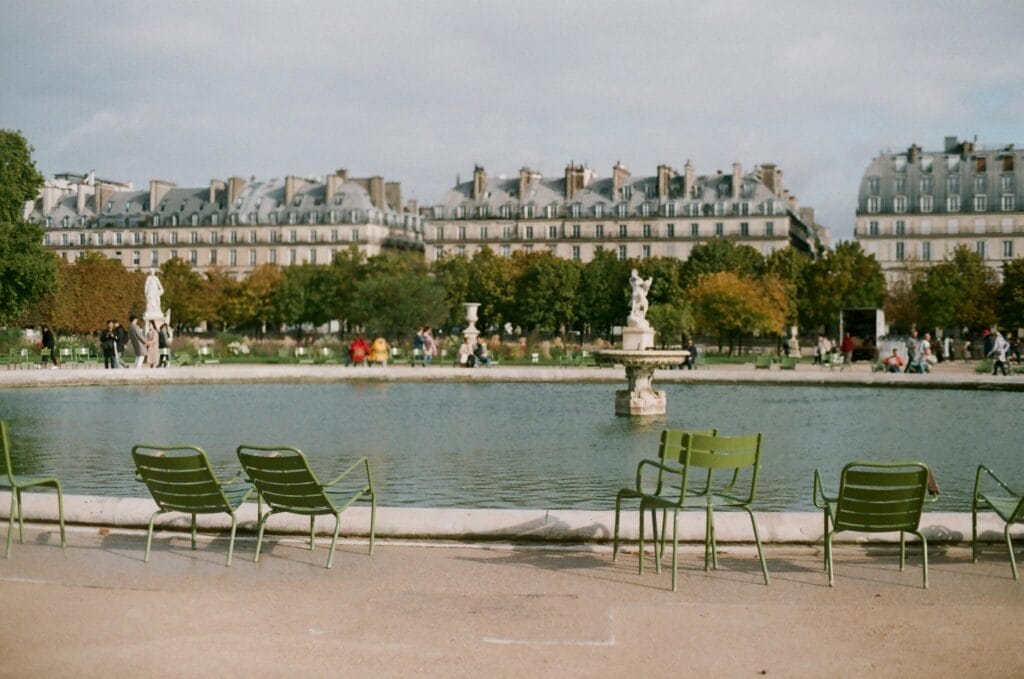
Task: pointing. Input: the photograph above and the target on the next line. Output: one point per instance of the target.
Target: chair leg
(10, 522)
(824, 532)
(231, 540)
(903, 550)
(193, 532)
(664, 528)
(974, 529)
(924, 556)
(654, 538)
(149, 534)
(312, 533)
(60, 514)
(21, 517)
(710, 558)
(757, 541)
(1009, 546)
(828, 555)
(675, 547)
(259, 534)
(334, 540)
(373, 518)
(615, 532)
(640, 545)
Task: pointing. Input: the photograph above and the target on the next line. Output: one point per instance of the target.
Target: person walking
(108, 342)
(690, 362)
(152, 345)
(164, 345)
(122, 342)
(847, 348)
(1000, 348)
(138, 340)
(913, 353)
(429, 347)
(49, 353)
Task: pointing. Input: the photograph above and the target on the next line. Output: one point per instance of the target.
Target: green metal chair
(17, 483)
(284, 481)
(671, 441)
(181, 479)
(763, 363)
(876, 497)
(1007, 503)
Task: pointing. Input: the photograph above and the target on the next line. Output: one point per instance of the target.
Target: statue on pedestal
(154, 289)
(638, 300)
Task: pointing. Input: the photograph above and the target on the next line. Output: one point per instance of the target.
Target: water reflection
(508, 445)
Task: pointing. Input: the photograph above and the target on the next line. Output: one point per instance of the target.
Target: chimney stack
(575, 180)
(83, 195)
(619, 176)
(157, 190)
(292, 185)
(689, 179)
(375, 186)
(665, 175)
(737, 179)
(51, 194)
(216, 186)
(235, 186)
(913, 154)
(393, 195)
(103, 193)
(525, 177)
(771, 176)
(479, 182)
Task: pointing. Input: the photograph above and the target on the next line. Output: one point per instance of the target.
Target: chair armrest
(989, 472)
(361, 461)
(662, 468)
(819, 491)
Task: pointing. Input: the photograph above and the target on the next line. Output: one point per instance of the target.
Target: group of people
(146, 344)
(472, 354)
(423, 345)
(361, 352)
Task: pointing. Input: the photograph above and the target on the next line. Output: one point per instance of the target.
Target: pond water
(551, 446)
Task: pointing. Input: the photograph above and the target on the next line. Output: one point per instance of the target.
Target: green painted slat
(278, 476)
(884, 478)
(168, 462)
(721, 460)
(894, 494)
(905, 507)
(175, 475)
(303, 488)
(285, 461)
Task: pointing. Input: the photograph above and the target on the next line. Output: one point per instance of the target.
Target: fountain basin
(640, 399)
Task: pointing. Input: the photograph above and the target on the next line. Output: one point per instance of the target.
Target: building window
(670, 209)
(575, 230)
(744, 208)
(63, 239)
(213, 256)
(874, 204)
(293, 256)
(694, 229)
(272, 257)
(334, 235)
(1006, 183)
(174, 220)
(979, 183)
(252, 257)
(483, 232)
(312, 255)
(874, 185)
(899, 204)
(99, 238)
(214, 218)
(575, 253)
(174, 254)
(899, 185)
(136, 258)
(506, 250)
(873, 228)
(622, 209)
(81, 239)
(156, 220)
(117, 238)
(622, 231)
(293, 236)
(926, 184)
(979, 247)
(136, 238)
(273, 218)
(552, 232)
(193, 237)
(193, 257)
(719, 229)
(528, 211)
(154, 238)
(646, 251)
(355, 235)
(670, 230)
(599, 210)
(1007, 202)
(926, 251)
(647, 231)
(622, 253)
(953, 203)
(1007, 249)
(439, 232)
(529, 233)
(926, 203)
(769, 228)
(599, 231)
(233, 257)
(460, 250)
(194, 219)
(574, 210)
(213, 238)
(234, 237)
(980, 203)
(645, 210)
(744, 229)
(901, 227)
(953, 184)
(900, 251)
(506, 233)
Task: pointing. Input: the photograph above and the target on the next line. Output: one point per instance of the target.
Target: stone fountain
(638, 357)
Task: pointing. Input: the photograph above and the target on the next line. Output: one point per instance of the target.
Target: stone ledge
(542, 525)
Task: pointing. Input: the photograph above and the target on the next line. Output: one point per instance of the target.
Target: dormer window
(128, 206)
(297, 201)
(214, 219)
(622, 209)
(339, 198)
(874, 185)
(574, 210)
(599, 210)
(194, 219)
(528, 211)
(505, 211)
(627, 192)
(110, 205)
(460, 212)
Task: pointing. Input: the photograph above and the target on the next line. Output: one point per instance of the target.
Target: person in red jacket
(358, 351)
(847, 348)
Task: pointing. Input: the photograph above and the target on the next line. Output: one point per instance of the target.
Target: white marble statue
(638, 300)
(154, 289)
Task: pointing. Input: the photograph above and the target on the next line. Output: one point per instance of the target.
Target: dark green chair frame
(17, 483)
(284, 480)
(180, 479)
(1007, 503)
(876, 497)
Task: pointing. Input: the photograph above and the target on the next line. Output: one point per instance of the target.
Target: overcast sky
(421, 91)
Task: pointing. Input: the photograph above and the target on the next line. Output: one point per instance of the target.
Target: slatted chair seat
(15, 483)
(180, 479)
(1007, 503)
(876, 497)
(285, 481)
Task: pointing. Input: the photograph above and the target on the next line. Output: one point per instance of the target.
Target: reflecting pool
(512, 445)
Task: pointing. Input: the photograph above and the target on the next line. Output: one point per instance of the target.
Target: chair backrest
(180, 479)
(729, 453)
(7, 470)
(283, 478)
(880, 497)
(674, 444)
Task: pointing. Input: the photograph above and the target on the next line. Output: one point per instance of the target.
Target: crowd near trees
(724, 289)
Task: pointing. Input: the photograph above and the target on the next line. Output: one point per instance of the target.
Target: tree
(1011, 294)
(546, 291)
(455, 275)
(304, 295)
(730, 305)
(344, 272)
(667, 274)
(492, 283)
(958, 292)
(20, 181)
(604, 292)
(721, 254)
(395, 304)
(27, 270)
(184, 293)
(844, 277)
(788, 266)
(671, 321)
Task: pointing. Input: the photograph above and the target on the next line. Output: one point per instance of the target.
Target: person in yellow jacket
(379, 351)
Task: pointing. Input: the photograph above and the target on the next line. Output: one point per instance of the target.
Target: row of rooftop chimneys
(382, 193)
(578, 177)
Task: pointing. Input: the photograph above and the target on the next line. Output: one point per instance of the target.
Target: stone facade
(915, 207)
(233, 226)
(576, 215)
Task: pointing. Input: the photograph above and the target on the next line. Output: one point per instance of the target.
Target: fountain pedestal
(641, 398)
